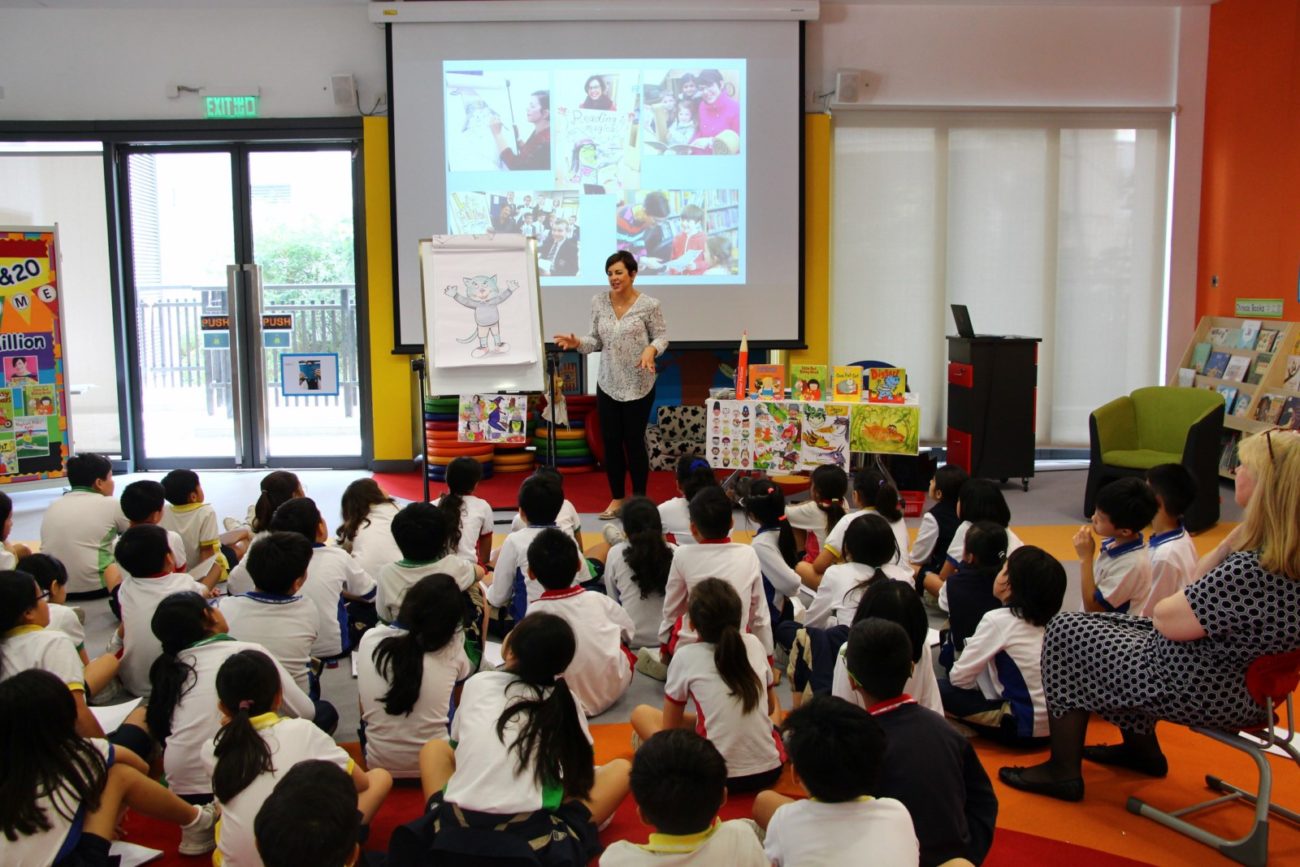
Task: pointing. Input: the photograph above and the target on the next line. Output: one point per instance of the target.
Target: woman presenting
(628, 329)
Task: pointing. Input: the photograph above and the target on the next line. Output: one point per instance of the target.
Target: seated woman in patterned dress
(1188, 663)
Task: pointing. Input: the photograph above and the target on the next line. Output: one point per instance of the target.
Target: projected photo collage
(597, 155)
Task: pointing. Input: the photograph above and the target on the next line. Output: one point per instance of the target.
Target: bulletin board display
(35, 437)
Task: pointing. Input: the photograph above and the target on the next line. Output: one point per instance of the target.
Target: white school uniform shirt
(401, 575)
(1002, 659)
(196, 719)
(926, 536)
(835, 539)
(601, 670)
(139, 598)
(784, 580)
(839, 592)
(7, 559)
(811, 833)
(393, 742)
(922, 685)
(40, 849)
(239, 582)
(80, 529)
(1173, 563)
(1122, 574)
(746, 740)
(957, 548)
(476, 521)
(197, 525)
(65, 620)
(32, 646)
(567, 519)
(734, 843)
(512, 568)
(487, 776)
(290, 741)
(331, 573)
(373, 546)
(808, 516)
(732, 562)
(646, 613)
(287, 626)
(675, 518)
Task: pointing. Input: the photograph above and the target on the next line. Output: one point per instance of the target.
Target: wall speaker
(345, 90)
(848, 85)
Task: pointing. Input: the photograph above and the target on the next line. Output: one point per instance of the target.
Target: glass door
(242, 279)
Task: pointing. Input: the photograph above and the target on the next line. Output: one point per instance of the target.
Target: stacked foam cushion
(440, 444)
(513, 459)
(572, 454)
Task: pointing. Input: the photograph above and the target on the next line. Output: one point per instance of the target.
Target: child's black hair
(420, 531)
(178, 485)
(551, 737)
(142, 550)
(6, 507)
(874, 491)
(430, 614)
(710, 512)
(179, 621)
(836, 748)
(986, 542)
(1037, 582)
(46, 569)
(948, 481)
(553, 559)
(278, 488)
(715, 611)
(1129, 503)
(86, 468)
(765, 503)
(41, 754)
(694, 475)
(870, 541)
(140, 500)
(358, 499)
(679, 780)
(463, 476)
(18, 592)
(310, 817)
(247, 686)
(898, 603)
(298, 515)
(540, 499)
(1174, 486)
(982, 500)
(829, 486)
(277, 560)
(879, 657)
(647, 554)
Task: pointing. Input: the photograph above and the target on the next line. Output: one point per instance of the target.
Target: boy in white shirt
(1172, 552)
(336, 584)
(539, 504)
(421, 531)
(80, 527)
(601, 670)
(195, 522)
(567, 519)
(279, 619)
(1120, 578)
(713, 557)
(144, 502)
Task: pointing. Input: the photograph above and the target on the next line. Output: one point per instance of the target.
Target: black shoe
(1062, 790)
(1120, 756)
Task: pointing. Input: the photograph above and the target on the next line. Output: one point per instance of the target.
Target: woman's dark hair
(870, 540)
(877, 492)
(17, 596)
(463, 474)
(628, 260)
(830, 484)
(430, 614)
(655, 204)
(986, 542)
(1037, 581)
(277, 487)
(694, 475)
(598, 80)
(41, 754)
(551, 737)
(179, 621)
(897, 602)
(982, 500)
(358, 499)
(765, 503)
(543, 100)
(715, 612)
(647, 554)
(247, 684)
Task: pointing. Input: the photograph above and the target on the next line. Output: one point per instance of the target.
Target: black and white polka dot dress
(1118, 666)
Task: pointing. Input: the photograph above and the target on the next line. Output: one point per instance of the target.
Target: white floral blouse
(621, 342)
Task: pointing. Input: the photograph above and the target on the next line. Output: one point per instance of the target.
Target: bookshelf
(1269, 389)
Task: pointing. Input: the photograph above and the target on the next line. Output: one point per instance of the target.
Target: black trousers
(622, 428)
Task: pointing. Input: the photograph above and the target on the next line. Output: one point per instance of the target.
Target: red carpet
(589, 492)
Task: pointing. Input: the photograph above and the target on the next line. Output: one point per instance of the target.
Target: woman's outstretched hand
(566, 341)
(647, 361)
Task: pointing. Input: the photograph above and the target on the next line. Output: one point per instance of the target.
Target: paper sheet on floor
(492, 655)
(113, 715)
(131, 855)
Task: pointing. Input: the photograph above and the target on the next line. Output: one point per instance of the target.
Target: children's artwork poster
(34, 435)
(824, 435)
(776, 436)
(309, 374)
(886, 428)
(730, 434)
(492, 418)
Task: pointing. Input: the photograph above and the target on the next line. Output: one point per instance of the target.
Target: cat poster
(479, 311)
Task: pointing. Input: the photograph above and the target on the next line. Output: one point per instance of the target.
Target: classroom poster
(492, 418)
(309, 374)
(824, 435)
(776, 436)
(886, 428)
(34, 435)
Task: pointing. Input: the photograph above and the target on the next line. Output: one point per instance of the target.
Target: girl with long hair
(872, 492)
(278, 487)
(367, 528)
(778, 554)
(469, 517)
(636, 571)
(823, 509)
(871, 551)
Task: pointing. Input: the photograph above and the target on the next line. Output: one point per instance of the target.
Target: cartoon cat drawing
(483, 297)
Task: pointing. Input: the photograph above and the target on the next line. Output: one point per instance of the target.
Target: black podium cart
(992, 400)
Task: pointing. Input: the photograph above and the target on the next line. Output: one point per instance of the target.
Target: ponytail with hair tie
(250, 682)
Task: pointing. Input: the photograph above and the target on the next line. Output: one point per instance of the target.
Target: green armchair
(1159, 425)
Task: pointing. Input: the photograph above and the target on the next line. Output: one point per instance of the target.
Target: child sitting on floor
(1121, 577)
(871, 552)
(777, 555)
(539, 504)
(471, 515)
(679, 781)
(1172, 551)
(825, 506)
(311, 817)
(693, 475)
(367, 529)
(939, 524)
(872, 492)
(422, 532)
(566, 518)
(196, 523)
(10, 552)
(144, 502)
(968, 595)
(979, 500)
(636, 571)
(80, 527)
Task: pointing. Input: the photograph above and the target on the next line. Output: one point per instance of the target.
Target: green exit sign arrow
(230, 107)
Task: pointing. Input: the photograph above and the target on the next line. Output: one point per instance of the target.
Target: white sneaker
(231, 524)
(649, 663)
(200, 837)
(613, 534)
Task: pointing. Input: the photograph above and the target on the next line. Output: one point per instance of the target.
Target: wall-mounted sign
(1263, 308)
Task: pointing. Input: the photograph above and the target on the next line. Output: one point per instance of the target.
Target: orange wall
(1250, 198)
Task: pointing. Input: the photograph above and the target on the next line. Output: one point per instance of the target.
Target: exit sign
(229, 107)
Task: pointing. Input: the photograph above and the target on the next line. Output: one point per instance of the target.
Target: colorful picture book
(1228, 459)
(1292, 373)
(1216, 365)
(1266, 340)
(809, 382)
(1290, 415)
(824, 435)
(492, 418)
(1241, 408)
(1238, 366)
(766, 382)
(1187, 377)
(1218, 336)
(847, 383)
(1249, 333)
(886, 384)
(1262, 361)
(1229, 396)
(1269, 407)
(885, 428)
(1200, 355)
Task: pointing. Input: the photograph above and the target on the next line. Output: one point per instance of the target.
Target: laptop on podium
(964, 329)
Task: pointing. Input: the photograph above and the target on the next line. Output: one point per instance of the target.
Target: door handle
(257, 354)
(234, 309)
